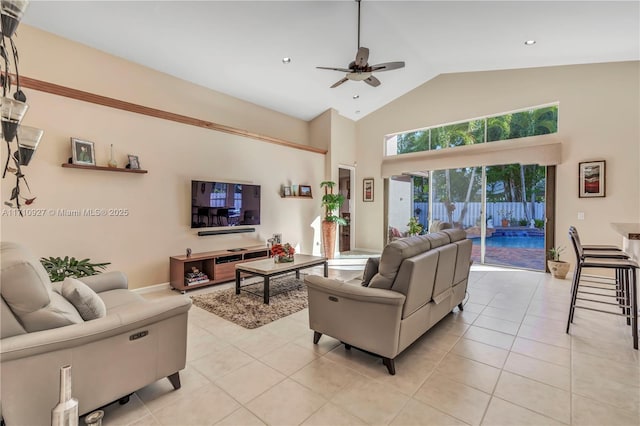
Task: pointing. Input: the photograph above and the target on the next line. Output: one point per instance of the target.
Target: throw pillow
(370, 269)
(85, 300)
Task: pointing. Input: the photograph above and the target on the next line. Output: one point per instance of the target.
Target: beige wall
(598, 119)
(343, 143)
(320, 131)
(157, 225)
(336, 134)
(47, 57)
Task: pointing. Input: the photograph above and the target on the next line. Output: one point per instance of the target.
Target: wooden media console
(219, 266)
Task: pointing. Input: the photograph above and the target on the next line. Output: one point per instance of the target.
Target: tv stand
(219, 266)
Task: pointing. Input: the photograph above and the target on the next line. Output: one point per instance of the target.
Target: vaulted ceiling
(237, 47)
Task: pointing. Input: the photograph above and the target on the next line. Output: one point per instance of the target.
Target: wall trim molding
(68, 92)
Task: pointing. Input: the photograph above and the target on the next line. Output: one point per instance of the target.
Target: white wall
(158, 223)
(400, 203)
(598, 119)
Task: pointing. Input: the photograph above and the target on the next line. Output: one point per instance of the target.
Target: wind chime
(13, 105)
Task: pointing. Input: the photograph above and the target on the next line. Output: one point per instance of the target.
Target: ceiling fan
(360, 70)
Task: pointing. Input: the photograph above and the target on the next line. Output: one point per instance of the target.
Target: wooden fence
(496, 211)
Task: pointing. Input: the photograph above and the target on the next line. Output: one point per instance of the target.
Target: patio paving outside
(529, 258)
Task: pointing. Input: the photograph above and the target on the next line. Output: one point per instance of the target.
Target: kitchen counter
(630, 238)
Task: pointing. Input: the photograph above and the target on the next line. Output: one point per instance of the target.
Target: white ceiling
(236, 47)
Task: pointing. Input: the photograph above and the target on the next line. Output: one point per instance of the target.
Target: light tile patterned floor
(505, 360)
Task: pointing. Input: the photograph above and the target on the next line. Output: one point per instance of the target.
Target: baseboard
(152, 288)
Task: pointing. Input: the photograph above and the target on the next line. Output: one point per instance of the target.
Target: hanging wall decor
(13, 106)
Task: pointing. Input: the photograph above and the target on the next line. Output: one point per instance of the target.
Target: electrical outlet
(580, 215)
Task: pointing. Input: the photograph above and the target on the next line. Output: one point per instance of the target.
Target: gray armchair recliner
(136, 343)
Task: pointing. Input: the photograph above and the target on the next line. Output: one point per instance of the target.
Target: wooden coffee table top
(269, 267)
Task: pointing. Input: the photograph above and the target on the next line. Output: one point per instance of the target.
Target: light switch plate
(580, 215)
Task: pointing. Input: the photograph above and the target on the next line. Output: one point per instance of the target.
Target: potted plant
(415, 227)
(557, 267)
(331, 202)
(59, 268)
(506, 217)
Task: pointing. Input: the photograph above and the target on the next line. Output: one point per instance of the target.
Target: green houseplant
(59, 268)
(331, 203)
(558, 268)
(415, 227)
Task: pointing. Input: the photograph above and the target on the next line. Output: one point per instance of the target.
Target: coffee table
(267, 268)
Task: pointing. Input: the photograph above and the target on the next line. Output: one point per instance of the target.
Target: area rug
(248, 310)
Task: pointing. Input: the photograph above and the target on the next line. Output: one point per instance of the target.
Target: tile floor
(504, 360)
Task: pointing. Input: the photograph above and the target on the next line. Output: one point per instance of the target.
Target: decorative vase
(505, 223)
(66, 412)
(282, 259)
(112, 162)
(558, 269)
(329, 238)
(95, 418)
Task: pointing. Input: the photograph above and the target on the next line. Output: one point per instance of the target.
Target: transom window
(519, 124)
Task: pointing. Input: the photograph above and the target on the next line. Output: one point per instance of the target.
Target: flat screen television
(216, 204)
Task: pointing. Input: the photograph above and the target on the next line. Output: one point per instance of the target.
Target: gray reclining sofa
(419, 280)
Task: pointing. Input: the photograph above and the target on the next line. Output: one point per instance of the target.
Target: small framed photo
(82, 152)
(305, 191)
(591, 178)
(134, 162)
(367, 190)
(286, 191)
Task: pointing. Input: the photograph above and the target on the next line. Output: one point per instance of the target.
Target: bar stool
(625, 283)
(601, 252)
(591, 247)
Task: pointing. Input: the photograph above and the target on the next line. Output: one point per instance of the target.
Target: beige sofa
(136, 343)
(419, 280)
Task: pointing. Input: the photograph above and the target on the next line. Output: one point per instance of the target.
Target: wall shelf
(106, 169)
(296, 196)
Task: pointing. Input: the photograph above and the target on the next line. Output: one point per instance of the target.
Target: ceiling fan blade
(372, 81)
(387, 66)
(362, 57)
(338, 83)
(335, 69)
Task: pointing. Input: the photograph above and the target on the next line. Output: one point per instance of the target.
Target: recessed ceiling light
(356, 96)
(530, 42)
(286, 60)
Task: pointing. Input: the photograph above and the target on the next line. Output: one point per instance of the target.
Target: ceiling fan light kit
(359, 69)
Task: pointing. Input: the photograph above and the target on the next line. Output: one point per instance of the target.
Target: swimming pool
(513, 242)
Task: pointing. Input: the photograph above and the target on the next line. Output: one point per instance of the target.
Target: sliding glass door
(515, 211)
(457, 201)
(502, 209)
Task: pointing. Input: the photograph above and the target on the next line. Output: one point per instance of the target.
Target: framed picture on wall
(286, 191)
(591, 178)
(134, 162)
(82, 152)
(367, 190)
(305, 191)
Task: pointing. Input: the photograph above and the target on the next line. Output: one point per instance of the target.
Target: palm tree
(460, 134)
